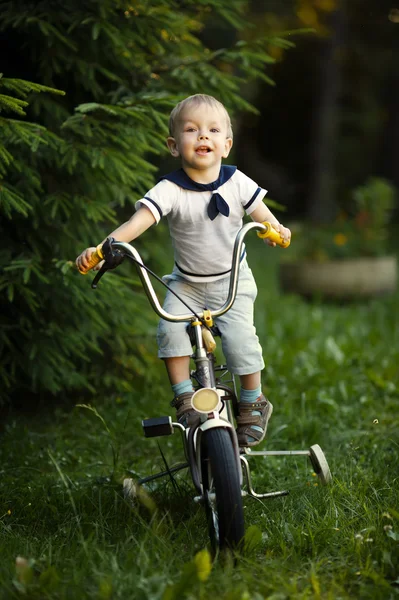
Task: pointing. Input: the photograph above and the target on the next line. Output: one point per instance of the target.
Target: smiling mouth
(203, 150)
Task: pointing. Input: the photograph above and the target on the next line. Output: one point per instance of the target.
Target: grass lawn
(332, 373)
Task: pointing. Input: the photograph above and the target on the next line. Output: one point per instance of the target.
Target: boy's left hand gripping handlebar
(273, 235)
(96, 258)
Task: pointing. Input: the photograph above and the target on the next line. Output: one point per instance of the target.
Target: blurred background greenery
(85, 94)
(86, 90)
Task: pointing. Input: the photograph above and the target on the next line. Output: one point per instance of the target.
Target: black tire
(222, 490)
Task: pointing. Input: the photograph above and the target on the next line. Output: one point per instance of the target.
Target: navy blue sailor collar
(181, 178)
(217, 203)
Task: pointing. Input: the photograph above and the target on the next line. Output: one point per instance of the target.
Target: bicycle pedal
(157, 426)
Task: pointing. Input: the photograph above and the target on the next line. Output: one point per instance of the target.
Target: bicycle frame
(218, 483)
(205, 374)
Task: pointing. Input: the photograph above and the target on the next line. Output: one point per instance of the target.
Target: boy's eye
(190, 129)
(215, 130)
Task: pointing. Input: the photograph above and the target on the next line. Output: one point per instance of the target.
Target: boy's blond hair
(196, 100)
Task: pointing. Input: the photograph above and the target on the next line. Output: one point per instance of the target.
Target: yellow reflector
(205, 400)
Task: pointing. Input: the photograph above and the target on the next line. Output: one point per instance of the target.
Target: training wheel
(129, 491)
(320, 464)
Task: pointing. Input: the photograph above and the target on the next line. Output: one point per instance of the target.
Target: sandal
(185, 413)
(246, 420)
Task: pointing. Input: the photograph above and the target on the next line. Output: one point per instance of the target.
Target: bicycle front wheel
(221, 489)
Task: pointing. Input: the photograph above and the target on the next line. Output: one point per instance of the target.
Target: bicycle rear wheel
(221, 489)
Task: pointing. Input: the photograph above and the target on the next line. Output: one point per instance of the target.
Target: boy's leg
(251, 381)
(174, 345)
(254, 411)
(243, 355)
(178, 368)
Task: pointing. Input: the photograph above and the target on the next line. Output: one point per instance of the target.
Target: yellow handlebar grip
(96, 257)
(272, 235)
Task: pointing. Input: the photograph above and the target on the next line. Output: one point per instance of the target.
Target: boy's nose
(202, 136)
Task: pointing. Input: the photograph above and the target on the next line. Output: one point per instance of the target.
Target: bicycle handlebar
(125, 249)
(272, 235)
(129, 250)
(96, 258)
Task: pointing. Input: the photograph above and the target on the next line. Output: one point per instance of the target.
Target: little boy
(205, 202)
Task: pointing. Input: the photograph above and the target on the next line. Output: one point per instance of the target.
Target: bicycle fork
(205, 377)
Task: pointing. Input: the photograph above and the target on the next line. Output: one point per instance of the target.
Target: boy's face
(201, 140)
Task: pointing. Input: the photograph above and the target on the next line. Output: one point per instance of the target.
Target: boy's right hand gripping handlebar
(272, 235)
(96, 258)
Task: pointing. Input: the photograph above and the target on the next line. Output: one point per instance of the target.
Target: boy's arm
(127, 232)
(134, 227)
(262, 213)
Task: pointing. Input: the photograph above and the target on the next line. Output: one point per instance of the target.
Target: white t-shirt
(203, 248)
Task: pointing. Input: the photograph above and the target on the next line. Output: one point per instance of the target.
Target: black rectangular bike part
(157, 426)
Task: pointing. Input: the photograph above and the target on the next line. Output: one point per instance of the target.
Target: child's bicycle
(216, 462)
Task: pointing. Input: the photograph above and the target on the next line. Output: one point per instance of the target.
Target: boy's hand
(83, 260)
(283, 231)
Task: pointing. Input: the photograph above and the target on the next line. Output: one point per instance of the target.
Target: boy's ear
(172, 145)
(227, 147)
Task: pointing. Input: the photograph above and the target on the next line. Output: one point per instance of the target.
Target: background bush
(73, 167)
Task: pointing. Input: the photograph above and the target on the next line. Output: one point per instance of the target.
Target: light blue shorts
(240, 344)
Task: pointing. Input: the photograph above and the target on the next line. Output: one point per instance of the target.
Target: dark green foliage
(109, 74)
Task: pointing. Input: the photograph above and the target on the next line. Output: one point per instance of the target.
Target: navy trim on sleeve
(155, 204)
(248, 204)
